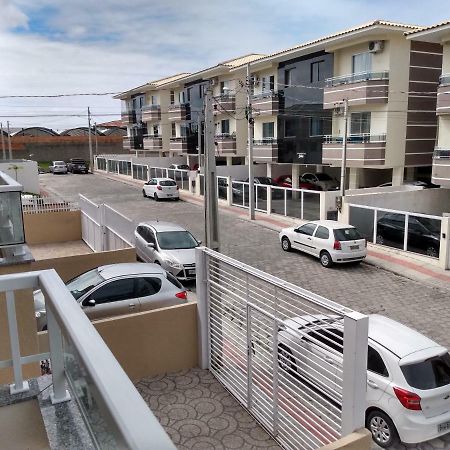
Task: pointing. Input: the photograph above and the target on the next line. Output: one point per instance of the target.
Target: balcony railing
(79, 356)
(441, 153)
(152, 142)
(151, 113)
(444, 79)
(356, 77)
(355, 138)
(224, 103)
(265, 141)
(151, 108)
(179, 112)
(268, 94)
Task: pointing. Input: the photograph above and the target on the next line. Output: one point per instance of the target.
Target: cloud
(11, 16)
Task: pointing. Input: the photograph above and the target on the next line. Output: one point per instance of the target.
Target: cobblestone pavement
(364, 288)
(198, 413)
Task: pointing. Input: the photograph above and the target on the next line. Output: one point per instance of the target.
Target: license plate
(443, 427)
(169, 195)
(354, 247)
(191, 272)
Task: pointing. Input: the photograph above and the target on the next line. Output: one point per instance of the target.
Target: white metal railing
(248, 341)
(112, 408)
(404, 230)
(363, 138)
(356, 77)
(39, 205)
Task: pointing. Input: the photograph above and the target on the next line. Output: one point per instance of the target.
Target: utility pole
(250, 120)
(3, 141)
(91, 158)
(211, 204)
(9, 141)
(344, 151)
(95, 134)
(199, 138)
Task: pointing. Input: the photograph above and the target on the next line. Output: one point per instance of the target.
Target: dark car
(76, 165)
(286, 181)
(423, 233)
(266, 181)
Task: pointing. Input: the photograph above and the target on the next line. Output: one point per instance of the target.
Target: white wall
(241, 172)
(27, 174)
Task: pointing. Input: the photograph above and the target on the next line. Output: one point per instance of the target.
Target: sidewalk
(410, 265)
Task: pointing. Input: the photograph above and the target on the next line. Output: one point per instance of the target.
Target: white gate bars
(282, 351)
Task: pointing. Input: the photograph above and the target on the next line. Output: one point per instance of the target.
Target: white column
(410, 173)
(444, 251)
(319, 168)
(202, 307)
(229, 160)
(397, 176)
(269, 170)
(354, 178)
(295, 180)
(229, 191)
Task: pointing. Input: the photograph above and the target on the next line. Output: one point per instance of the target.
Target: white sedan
(331, 241)
(408, 375)
(159, 188)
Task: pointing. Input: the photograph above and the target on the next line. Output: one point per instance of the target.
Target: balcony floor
(198, 413)
(58, 249)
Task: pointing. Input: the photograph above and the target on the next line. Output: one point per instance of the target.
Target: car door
(154, 293)
(148, 251)
(150, 187)
(112, 298)
(378, 376)
(303, 238)
(321, 239)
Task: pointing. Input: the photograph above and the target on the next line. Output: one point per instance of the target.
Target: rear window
(347, 234)
(174, 281)
(429, 374)
(167, 183)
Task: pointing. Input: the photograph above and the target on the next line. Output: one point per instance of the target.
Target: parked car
(424, 184)
(408, 374)
(322, 181)
(424, 235)
(169, 245)
(266, 181)
(118, 289)
(331, 241)
(179, 167)
(286, 181)
(76, 165)
(58, 167)
(161, 188)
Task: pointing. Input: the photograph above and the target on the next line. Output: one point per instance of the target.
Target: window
(317, 71)
(200, 90)
(347, 234)
(225, 126)
(362, 62)
(184, 130)
(174, 240)
(172, 97)
(289, 128)
(155, 130)
(83, 283)
(268, 83)
(268, 130)
(189, 91)
(360, 123)
(429, 374)
(307, 229)
(328, 338)
(375, 363)
(147, 286)
(174, 129)
(154, 100)
(167, 183)
(224, 87)
(322, 233)
(181, 97)
(114, 291)
(316, 126)
(288, 77)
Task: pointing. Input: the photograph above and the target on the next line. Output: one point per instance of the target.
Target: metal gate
(288, 374)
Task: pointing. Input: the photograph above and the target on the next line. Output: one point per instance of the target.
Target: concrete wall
(52, 227)
(359, 440)
(23, 171)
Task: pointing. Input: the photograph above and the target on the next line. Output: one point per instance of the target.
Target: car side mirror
(199, 242)
(91, 302)
(150, 245)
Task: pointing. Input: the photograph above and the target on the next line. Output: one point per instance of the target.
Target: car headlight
(39, 314)
(173, 264)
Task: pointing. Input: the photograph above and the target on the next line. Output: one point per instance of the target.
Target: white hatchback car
(408, 374)
(159, 188)
(58, 167)
(331, 241)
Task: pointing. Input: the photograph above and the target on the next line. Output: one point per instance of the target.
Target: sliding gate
(288, 373)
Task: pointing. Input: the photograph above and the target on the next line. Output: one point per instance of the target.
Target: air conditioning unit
(338, 110)
(376, 46)
(214, 81)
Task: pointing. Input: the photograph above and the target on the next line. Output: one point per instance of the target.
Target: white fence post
(354, 372)
(269, 199)
(229, 191)
(202, 307)
(444, 249)
(103, 234)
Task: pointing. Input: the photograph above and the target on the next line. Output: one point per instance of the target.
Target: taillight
(408, 399)
(337, 245)
(182, 295)
(159, 187)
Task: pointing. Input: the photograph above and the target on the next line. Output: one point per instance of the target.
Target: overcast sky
(52, 47)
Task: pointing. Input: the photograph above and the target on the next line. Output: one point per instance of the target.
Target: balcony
(362, 150)
(265, 150)
(359, 89)
(180, 112)
(266, 103)
(440, 174)
(151, 113)
(224, 104)
(225, 144)
(127, 142)
(443, 95)
(153, 142)
(179, 144)
(128, 117)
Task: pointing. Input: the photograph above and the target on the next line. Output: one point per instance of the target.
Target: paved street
(364, 287)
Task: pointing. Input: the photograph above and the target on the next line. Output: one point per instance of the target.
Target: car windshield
(433, 225)
(347, 234)
(78, 286)
(59, 163)
(173, 240)
(167, 183)
(323, 177)
(429, 374)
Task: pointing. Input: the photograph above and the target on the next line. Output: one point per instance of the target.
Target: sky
(52, 47)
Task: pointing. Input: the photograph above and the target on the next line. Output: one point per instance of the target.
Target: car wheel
(286, 244)
(325, 259)
(380, 239)
(286, 360)
(432, 251)
(143, 193)
(382, 428)
(156, 197)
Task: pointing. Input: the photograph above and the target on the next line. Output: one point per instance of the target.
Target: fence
(39, 205)
(103, 228)
(412, 232)
(295, 360)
